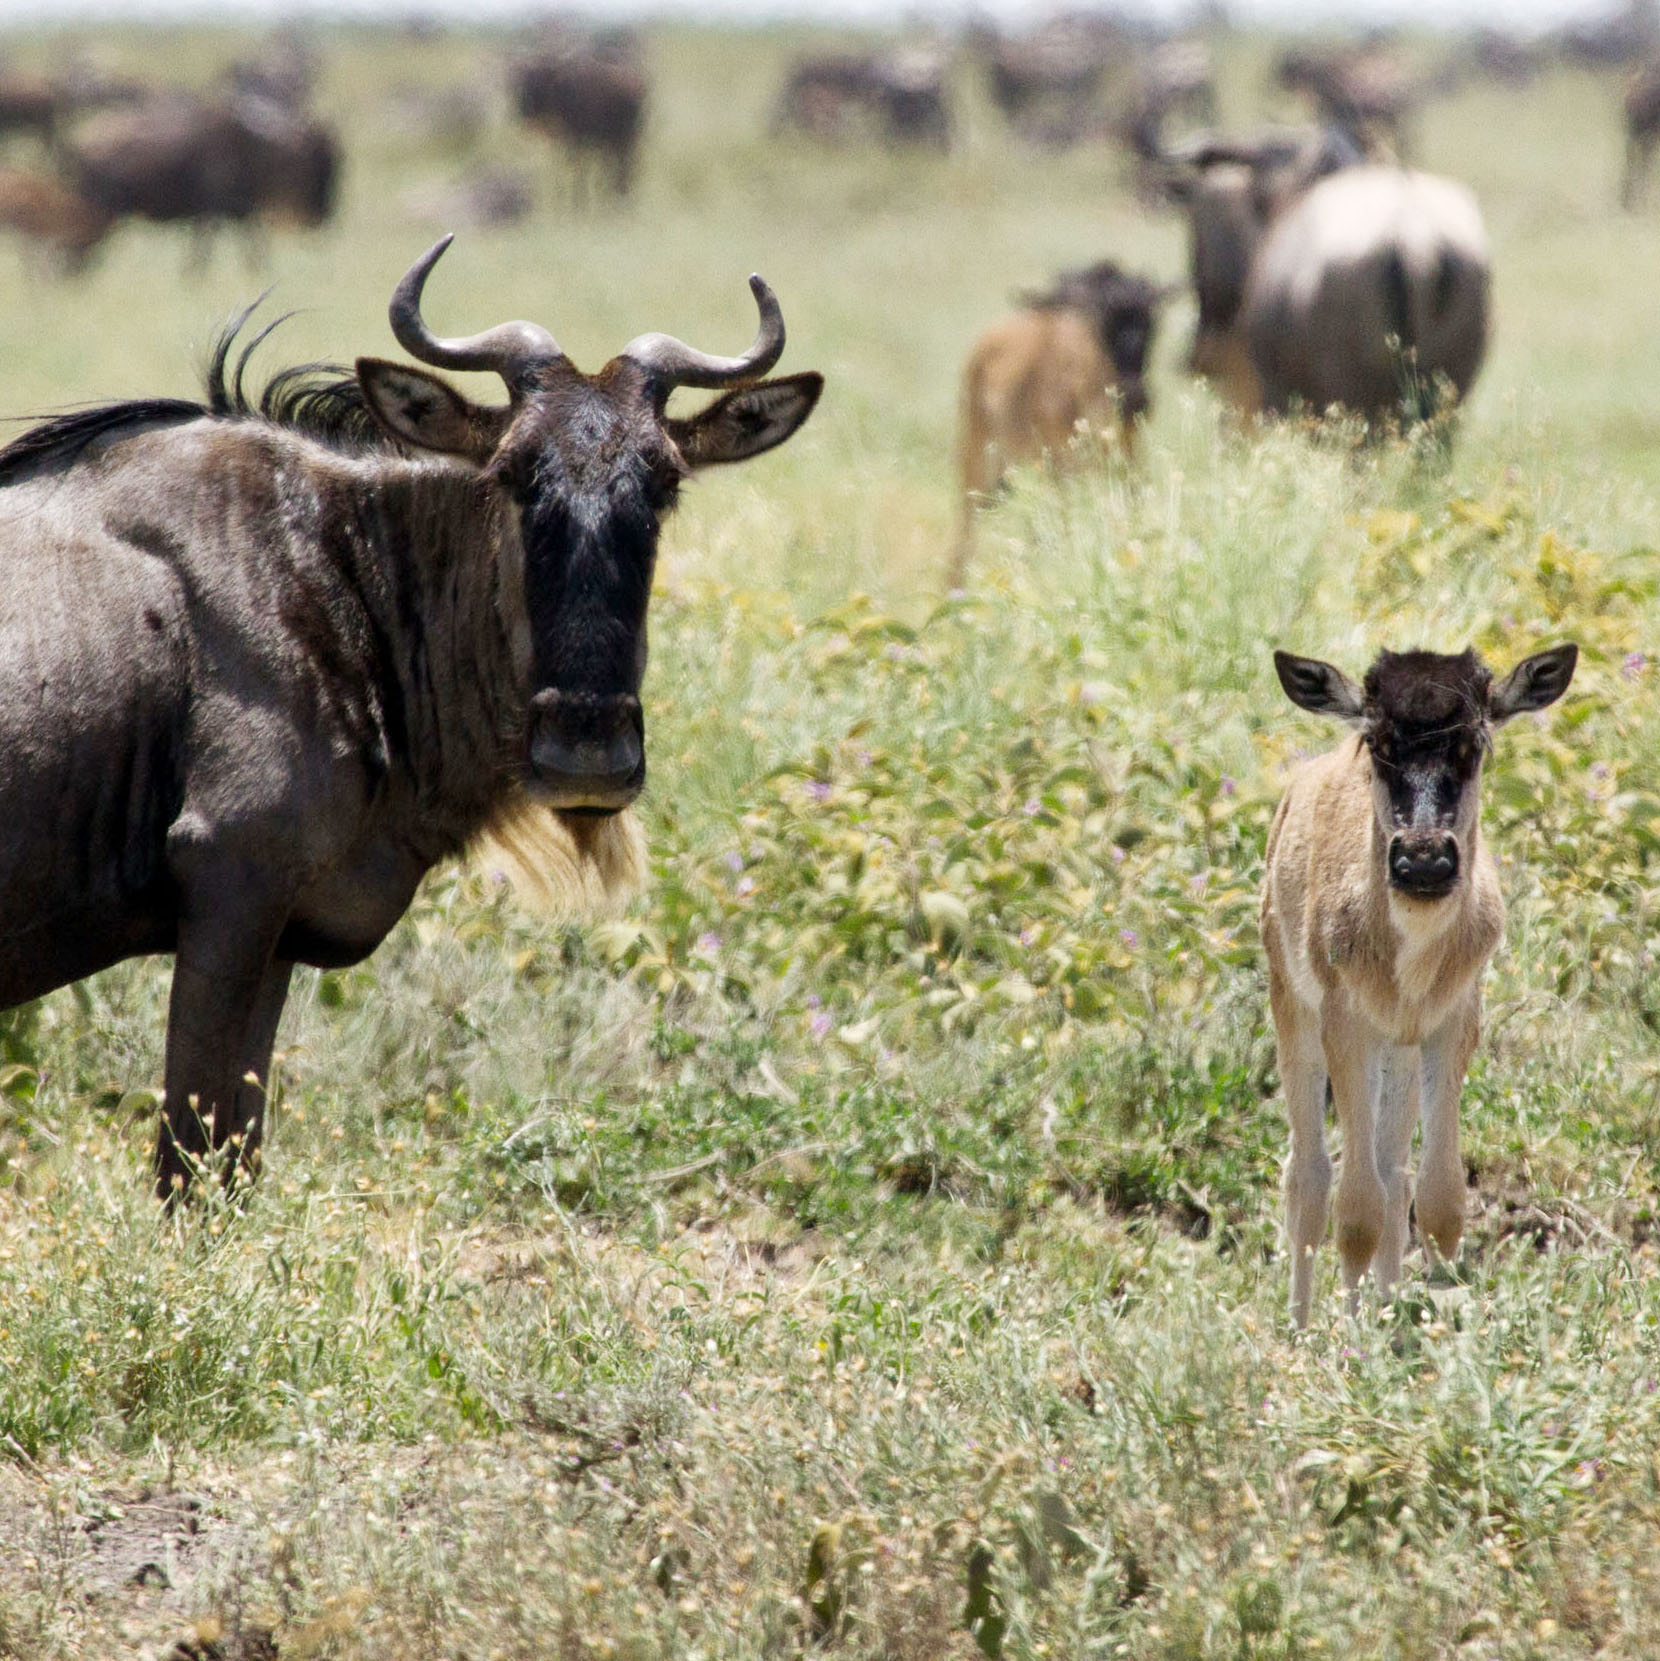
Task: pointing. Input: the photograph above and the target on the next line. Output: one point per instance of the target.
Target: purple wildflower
(818, 790)
(1117, 854)
(819, 1026)
(734, 861)
(814, 1001)
(746, 887)
(1130, 938)
(1027, 936)
(1635, 663)
(1197, 885)
(1228, 785)
(1032, 808)
(708, 943)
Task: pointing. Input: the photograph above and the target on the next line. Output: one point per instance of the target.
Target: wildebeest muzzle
(587, 750)
(1423, 864)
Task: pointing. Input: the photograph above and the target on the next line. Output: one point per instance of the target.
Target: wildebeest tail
(1397, 302)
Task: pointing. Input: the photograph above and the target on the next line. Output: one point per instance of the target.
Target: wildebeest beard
(588, 569)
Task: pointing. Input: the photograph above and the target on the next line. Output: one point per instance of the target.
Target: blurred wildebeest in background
(1362, 91)
(1615, 40)
(897, 97)
(263, 665)
(587, 93)
(1232, 188)
(1049, 84)
(1370, 293)
(1642, 131)
(177, 157)
(54, 219)
(1072, 363)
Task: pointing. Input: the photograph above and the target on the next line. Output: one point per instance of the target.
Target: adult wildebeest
(1642, 131)
(1380, 909)
(1370, 294)
(1328, 282)
(177, 157)
(1072, 362)
(1049, 84)
(591, 98)
(262, 667)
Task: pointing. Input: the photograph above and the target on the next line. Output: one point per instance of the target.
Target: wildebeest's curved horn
(507, 350)
(673, 363)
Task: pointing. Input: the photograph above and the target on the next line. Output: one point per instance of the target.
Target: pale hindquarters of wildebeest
(1374, 970)
(1369, 293)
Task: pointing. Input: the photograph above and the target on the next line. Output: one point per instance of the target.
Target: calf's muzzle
(1424, 866)
(587, 750)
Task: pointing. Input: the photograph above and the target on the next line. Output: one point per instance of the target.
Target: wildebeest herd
(268, 660)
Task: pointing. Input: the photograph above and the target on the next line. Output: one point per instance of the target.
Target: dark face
(1427, 721)
(1427, 731)
(592, 473)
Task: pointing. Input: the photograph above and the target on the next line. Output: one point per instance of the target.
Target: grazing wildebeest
(176, 157)
(1642, 131)
(589, 96)
(1370, 293)
(1380, 909)
(1074, 360)
(262, 667)
(895, 97)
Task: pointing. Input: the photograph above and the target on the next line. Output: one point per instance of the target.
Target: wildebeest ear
(1533, 683)
(1320, 687)
(420, 410)
(747, 422)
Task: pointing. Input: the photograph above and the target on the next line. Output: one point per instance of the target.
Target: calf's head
(590, 465)
(1123, 310)
(1427, 720)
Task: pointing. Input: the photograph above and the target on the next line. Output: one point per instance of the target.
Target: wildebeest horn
(673, 363)
(506, 350)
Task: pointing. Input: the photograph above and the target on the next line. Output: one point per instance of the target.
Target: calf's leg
(1397, 1117)
(1352, 1059)
(1440, 1193)
(1308, 1166)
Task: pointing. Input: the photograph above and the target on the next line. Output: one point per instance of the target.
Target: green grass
(868, 1246)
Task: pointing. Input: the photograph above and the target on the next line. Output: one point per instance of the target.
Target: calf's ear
(1533, 683)
(1320, 687)
(747, 422)
(427, 413)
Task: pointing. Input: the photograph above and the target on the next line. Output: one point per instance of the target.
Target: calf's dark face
(1427, 721)
(590, 467)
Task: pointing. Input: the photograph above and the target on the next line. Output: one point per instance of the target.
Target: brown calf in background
(1074, 360)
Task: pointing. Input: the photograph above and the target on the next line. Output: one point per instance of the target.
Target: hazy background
(1517, 14)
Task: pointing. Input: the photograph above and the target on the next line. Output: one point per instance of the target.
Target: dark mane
(321, 400)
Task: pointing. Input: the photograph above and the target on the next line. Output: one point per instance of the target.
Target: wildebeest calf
(262, 666)
(1380, 909)
(1074, 360)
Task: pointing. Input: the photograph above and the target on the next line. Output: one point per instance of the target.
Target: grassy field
(868, 1246)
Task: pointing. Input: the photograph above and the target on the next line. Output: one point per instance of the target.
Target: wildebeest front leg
(1308, 1165)
(222, 1018)
(1397, 1117)
(1352, 1059)
(1440, 1192)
